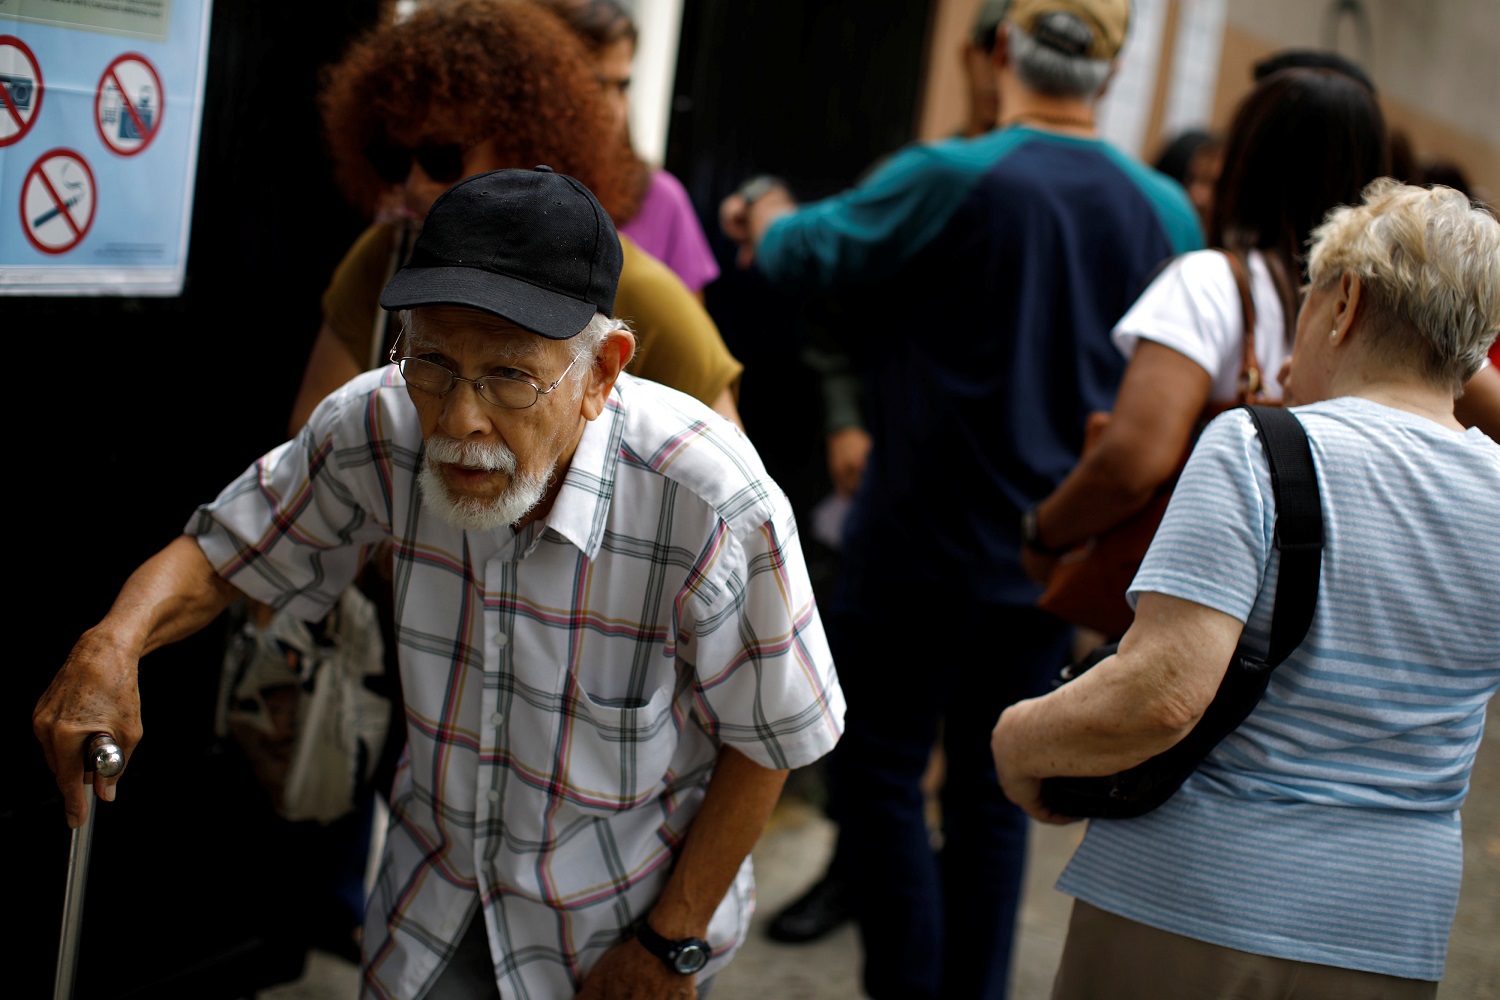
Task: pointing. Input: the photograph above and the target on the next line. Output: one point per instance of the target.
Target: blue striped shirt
(1326, 828)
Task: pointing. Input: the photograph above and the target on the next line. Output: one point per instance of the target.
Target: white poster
(1195, 65)
(101, 104)
(1124, 113)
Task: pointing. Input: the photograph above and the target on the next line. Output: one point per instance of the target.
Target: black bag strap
(1299, 526)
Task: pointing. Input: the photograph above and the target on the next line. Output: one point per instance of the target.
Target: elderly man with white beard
(610, 653)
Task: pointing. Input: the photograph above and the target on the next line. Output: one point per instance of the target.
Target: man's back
(988, 343)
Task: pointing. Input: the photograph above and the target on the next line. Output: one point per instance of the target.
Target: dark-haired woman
(659, 215)
(1302, 142)
(1194, 159)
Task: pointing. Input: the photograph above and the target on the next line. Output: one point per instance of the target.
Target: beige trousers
(1107, 957)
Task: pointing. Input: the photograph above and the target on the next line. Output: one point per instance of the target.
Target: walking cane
(101, 754)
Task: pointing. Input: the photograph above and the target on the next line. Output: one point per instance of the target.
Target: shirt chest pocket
(620, 743)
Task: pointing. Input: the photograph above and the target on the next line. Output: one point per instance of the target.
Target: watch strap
(756, 187)
(668, 950)
(1031, 537)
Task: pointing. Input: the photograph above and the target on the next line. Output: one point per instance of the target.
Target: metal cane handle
(103, 756)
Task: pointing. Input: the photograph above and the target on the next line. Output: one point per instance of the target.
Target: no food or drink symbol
(57, 201)
(128, 105)
(20, 89)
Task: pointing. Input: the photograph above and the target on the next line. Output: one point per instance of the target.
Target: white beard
(467, 513)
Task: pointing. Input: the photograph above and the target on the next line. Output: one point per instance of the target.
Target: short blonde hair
(1428, 261)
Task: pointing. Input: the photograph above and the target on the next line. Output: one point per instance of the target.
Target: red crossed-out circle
(58, 200)
(111, 75)
(8, 109)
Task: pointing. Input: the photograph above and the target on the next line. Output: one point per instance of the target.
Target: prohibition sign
(128, 104)
(20, 89)
(57, 201)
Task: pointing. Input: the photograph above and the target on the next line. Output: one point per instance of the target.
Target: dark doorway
(157, 403)
(814, 93)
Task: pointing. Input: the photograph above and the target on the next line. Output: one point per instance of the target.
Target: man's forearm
(172, 595)
(766, 210)
(735, 809)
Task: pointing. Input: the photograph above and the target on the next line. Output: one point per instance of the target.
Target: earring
(1333, 334)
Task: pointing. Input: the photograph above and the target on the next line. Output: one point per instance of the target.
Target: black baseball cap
(533, 246)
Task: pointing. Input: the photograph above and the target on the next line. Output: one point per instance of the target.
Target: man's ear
(614, 354)
(1001, 56)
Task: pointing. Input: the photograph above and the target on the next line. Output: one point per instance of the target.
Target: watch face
(690, 958)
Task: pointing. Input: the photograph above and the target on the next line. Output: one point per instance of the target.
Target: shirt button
(502, 640)
(493, 795)
(497, 719)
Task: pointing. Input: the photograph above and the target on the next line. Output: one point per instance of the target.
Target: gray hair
(1428, 261)
(586, 343)
(1050, 71)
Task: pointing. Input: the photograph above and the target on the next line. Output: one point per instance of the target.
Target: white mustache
(485, 455)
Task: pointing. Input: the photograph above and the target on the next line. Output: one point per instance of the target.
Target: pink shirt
(667, 228)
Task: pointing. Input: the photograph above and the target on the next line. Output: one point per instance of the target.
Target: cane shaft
(78, 870)
(103, 756)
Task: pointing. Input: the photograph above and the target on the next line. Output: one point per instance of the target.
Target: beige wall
(944, 104)
(1436, 64)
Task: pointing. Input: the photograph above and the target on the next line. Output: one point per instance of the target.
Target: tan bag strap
(1251, 379)
(380, 336)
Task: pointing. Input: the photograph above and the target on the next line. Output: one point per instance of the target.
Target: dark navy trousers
(935, 920)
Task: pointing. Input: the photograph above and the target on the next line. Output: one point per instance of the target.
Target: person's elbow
(1137, 466)
(1169, 712)
(1173, 659)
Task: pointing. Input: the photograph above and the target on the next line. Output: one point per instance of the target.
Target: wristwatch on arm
(1031, 536)
(684, 956)
(756, 187)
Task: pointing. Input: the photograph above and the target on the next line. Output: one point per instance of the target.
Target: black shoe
(820, 910)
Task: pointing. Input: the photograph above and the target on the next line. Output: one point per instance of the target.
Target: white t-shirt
(1193, 307)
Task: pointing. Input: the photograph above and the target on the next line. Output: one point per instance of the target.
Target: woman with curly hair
(457, 89)
(658, 213)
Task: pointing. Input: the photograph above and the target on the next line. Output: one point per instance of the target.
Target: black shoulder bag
(1299, 539)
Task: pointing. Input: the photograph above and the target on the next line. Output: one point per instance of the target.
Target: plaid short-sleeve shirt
(567, 687)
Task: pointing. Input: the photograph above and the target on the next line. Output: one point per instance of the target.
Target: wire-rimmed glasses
(502, 390)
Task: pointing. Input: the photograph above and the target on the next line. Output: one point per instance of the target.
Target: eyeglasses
(443, 162)
(502, 390)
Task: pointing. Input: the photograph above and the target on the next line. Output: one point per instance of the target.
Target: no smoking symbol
(128, 104)
(57, 201)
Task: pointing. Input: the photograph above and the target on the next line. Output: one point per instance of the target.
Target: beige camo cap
(1108, 19)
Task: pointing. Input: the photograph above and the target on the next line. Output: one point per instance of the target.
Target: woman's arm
(1126, 710)
(1158, 406)
(1479, 406)
(329, 366)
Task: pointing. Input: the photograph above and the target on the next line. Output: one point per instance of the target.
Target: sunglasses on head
(443, 162)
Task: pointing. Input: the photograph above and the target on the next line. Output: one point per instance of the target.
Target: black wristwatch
(685, 956)
(1032, 540)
